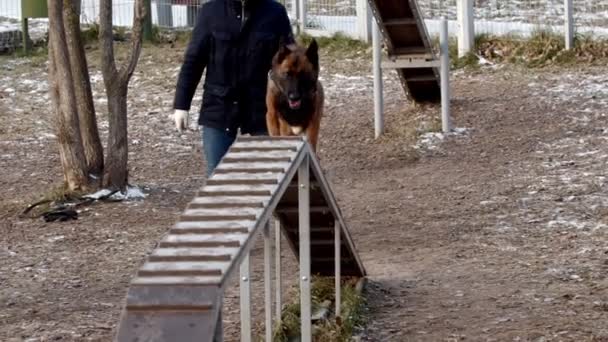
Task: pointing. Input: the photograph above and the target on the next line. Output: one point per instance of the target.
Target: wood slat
(203, 240)
(176, 280)
(262, 149)
(242, 181)
(261, 169)
(228, 205)
(162, 269)
(192, 254)
(172, 308)
(191, 217)
(215, 200)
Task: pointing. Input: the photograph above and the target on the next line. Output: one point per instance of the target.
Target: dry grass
(330, 329)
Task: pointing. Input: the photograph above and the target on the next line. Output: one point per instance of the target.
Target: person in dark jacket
(235, 41)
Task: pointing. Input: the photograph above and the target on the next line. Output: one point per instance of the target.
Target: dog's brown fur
(298, 62)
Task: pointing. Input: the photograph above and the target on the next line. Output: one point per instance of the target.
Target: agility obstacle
(423, 75)
(177, 293)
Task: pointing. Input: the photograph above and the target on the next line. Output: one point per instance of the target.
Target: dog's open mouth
(294, 104)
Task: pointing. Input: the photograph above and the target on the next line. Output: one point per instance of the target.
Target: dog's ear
(312, 53)
(282, 52)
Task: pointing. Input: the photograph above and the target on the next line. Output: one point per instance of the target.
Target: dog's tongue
(294, 104)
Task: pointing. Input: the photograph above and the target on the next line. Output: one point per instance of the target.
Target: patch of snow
(132, 193)
(56, 238)
(432, 140)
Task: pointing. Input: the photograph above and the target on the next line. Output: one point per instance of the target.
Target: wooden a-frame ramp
(409, 50)
(177, 293)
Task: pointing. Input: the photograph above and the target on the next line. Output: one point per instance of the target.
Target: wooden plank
(177, 280)
(192, 254)
(253, 155)
(281, 166)
(163, 269)
(191, 216)
(214, 200)
(172, 308)
(203, 240)
(275, 144)
(238, 187)
(228, 205)
(242, 181)
(246, 213)
(259, 169)
(262, 149)
(214, 224)
(260, 159)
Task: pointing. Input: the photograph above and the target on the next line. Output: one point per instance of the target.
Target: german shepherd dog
(294, 97)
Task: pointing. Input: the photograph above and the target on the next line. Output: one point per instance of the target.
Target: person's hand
(181, 119)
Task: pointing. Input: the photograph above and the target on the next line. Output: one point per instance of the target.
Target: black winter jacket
(236, 47)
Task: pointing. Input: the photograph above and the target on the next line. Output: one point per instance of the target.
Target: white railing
(352, 17)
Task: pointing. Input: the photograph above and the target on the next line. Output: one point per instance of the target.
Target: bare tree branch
(136, 40)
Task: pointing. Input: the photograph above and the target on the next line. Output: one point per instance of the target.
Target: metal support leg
(445, 77)
(377, 70)
(304, 225)
(277, 270)
(338, 261)
(219, 327)
(245, 290)
(268, 281)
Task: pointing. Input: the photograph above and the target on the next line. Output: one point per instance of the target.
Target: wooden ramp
(176, 294)
(408, 47)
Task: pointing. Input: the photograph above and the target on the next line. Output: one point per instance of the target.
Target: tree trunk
(93, 150)
(116, 84)
(116, 174)
(62, 94)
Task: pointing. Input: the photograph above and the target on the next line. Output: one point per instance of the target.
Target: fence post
(466, 32)
(148, 21)
(569, 24)
(378, 98)
(445, 76)
(302, 15)
(363, 20)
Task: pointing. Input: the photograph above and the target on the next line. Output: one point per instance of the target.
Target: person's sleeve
(195, 61)
(286, 31)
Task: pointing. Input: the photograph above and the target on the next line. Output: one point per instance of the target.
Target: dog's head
(296, 71)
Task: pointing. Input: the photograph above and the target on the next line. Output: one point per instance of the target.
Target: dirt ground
(494, 233)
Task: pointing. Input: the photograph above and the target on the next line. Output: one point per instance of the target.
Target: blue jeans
(216, 143)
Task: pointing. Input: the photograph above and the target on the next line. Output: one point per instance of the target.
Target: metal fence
(351, 17)
(522, 17)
